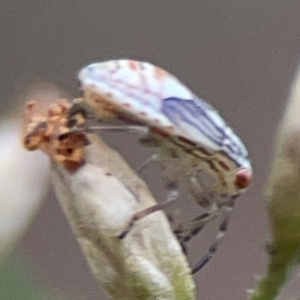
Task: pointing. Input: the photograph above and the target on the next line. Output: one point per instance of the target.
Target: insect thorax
(199, 171)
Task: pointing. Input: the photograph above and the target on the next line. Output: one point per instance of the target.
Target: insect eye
(243, 178)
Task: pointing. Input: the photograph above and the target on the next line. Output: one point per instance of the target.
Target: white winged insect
(196, 148)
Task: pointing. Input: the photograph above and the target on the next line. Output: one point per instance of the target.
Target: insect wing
(138, 88)
(159, 99)
(201, 123)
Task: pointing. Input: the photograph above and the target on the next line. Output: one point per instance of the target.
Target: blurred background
(239, 55)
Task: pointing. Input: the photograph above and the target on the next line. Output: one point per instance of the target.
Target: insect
(195, 147)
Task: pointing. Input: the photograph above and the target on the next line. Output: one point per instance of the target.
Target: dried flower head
(48, 129)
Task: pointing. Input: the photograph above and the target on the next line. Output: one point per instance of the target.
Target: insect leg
(121, 128)
(185, 232)
(223, 226)
(148, 140)
(172, 187)
(147, 162)
(141, 214)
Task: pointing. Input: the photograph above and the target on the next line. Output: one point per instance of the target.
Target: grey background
(239, 55)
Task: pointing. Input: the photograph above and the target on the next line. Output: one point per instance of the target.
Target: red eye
(243, 178)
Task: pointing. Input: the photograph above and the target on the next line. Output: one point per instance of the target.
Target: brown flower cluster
(48, 129)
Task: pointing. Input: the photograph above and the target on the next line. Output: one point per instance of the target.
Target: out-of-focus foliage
(283, 201)
(17, 281)
(23, 184)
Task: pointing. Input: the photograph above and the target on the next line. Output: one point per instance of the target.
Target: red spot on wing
(159, 132)
(127, 105)
(133, 65)
(159, 73)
